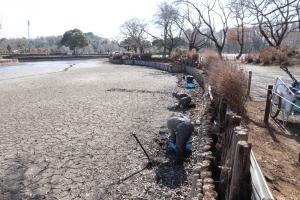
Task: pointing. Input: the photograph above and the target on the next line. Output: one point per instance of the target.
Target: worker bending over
(181, 130)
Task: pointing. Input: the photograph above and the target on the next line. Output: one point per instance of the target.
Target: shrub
(193, 55)
(289, 51)
(274, 52)
(117, 56)
(257, 60)
(135, 56)
(249, 58)
(229, 83)
(146, 56)
(271, 55)
(176, 55)
(265, 56)
(282, 57)
(125, 57)
(209, 58)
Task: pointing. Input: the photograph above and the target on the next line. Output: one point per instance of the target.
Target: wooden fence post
(268, 104)
(249, 84)
(240, 186)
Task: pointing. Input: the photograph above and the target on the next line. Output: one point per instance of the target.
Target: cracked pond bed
(67, 135)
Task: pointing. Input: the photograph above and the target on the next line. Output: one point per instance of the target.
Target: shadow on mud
(168, 173)
(293, 128)
(11, 186)
(171, 175)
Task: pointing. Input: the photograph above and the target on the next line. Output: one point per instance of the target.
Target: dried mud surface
(67, 135)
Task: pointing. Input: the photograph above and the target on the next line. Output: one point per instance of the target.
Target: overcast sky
(54, 17)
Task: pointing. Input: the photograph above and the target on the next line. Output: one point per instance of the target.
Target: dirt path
(266, 75)
(67, 135)
(276, 150)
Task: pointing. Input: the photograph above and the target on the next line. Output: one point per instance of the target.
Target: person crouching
(181, 130)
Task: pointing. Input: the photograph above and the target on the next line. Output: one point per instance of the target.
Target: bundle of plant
(274, 55)
(125, 57)
(146, 56)
(266, 56)
(249, 58)
(135, 56)
(282, 57)
(117, 56)
(210, 58)
(290, 51)
(229, 83)
(193, 55)
(176, 55)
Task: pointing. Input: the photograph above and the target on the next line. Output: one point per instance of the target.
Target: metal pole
(28, 27)
(134, 135)
(249, 84)
(268, 104)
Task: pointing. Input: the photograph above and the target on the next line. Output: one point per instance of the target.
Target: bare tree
(166, 18)
(194, 39)
(274, 18)
(297, 7)
(204, 16)
(134, 33)
(238, 11)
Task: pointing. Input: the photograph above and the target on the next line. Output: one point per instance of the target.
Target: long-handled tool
(284, 68)
(151, 162)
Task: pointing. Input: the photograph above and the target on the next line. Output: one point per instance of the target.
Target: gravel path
(66, 135)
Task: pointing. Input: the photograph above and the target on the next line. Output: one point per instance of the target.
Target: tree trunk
(219, 49)
(141, 50)
(165, 42)
(191, 46)
(241, 51)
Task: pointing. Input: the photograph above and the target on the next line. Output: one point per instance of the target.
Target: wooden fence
(240, 176)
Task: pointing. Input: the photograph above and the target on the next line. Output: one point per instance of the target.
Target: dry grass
(265, 57)
(229, 82)
(274, 55)
(249, 58)
(182, 55)
(210, 58)
(146, 56)
(177, 54)
(117, 56)
(193, 55)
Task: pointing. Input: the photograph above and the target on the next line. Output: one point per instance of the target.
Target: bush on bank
(190, 58)
(132, 56)
(227, 80)
(272, 55)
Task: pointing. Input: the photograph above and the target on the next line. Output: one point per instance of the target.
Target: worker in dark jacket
(184, 100)
(181, 130)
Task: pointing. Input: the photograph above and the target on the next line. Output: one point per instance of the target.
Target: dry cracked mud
(67, 135)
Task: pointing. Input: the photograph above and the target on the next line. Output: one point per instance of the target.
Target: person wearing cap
(181, 130)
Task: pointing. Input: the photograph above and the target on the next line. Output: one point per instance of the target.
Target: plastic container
(297, 110)
(188, 146)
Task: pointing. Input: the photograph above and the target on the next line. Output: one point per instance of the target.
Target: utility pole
(1, 23)
(28, 26)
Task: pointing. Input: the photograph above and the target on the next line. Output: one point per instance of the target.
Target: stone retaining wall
(203, 184)
(116, 61)
(197, 74)
(8, 61)
(161, 66)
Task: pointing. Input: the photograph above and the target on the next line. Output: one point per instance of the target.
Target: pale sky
(54, 17)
